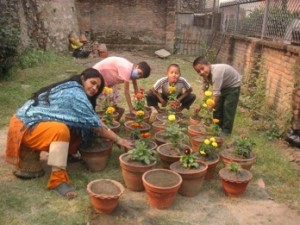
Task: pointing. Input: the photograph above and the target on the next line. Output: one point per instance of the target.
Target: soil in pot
(235, 184)
(169, 154)
(133, 171)
(192, 179)
(132, 117)
(105, 194)
(227, 156)
(95, 154)
(196, 130)
(158, 126)
(163, 117)
(161, 187)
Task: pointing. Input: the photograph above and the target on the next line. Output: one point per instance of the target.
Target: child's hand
(163, 104)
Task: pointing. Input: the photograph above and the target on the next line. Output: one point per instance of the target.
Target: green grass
(29, 202)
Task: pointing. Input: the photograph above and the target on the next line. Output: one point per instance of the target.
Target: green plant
(234, 167)
(139, 100)
(174, 132)
(141, 153)
(9, 43)
(208, 148)
(105, 100)
(189, 159)
(206, 108)
(243, 146)
(214, 129)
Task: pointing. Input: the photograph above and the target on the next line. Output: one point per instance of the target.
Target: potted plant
(235, 179)
(174, 142)
(240, 151)
(204, 114)
(109, 119)
(105, 194)
(140, 107)
(137, 126)
(192, 172)
(161, 187)
(105, 101)
(208, 152)
(135, 162)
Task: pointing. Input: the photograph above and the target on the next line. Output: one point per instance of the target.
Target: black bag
(80, 53)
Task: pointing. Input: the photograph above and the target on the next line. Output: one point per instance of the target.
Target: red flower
(142, 90)
(139, 96)
(187, 151)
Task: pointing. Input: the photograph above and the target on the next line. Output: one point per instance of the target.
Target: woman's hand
(125, 143)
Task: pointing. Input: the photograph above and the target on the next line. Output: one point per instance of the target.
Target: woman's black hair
(86, 74)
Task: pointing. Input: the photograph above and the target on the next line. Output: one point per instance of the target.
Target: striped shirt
(163, 85)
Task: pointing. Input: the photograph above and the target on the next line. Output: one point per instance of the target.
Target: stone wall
(43, 23)
(281, 64)
(128, 23)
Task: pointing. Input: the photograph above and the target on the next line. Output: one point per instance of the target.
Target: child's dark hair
(145, 68)
(200, 60)
(174, 65)
(86, 74)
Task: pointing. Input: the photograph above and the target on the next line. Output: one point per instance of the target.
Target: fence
(277, 20)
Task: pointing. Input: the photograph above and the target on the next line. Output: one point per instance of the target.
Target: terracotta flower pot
(115, 127)
(115, 115)
(192, 179)
(169, 154)
(105, 194)
(196, 130)
(158, 126)
(133, 171)
(196, 141)
(211, 167)
(96, 154)
(151, 146)
(227, 157)
(161, 187)
(194, 120)
(160, 137)
(235, 184)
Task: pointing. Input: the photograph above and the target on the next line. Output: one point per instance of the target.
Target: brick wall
(281, 63)
(128, 23)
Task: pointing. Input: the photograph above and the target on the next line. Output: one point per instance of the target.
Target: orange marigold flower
(135, 125)
(139, 96)
(216, 120)
(145, 135)
(242, 135)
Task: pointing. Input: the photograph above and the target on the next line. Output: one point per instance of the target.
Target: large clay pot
(160, 137)
(192, 179)
(115, 127)
(96, 154)
(196, 130)
(121, 111)
(158, 126)
(151, 146)
(211, 166)
(115, 115)
(235, 184)
(145, 127)
(228, 157)
(194, 120)
(105, 194)
(161, 187)
(169, 154)
(133, 171)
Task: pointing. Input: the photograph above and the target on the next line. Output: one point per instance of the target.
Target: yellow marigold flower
(215, 144)
(208, 93)
(210, 102)
(212, 139)
(140, 113)
(204, 105)
(107, 90)
(202, 152)
(206, 141)
(110, 110)
(216, 120)
(171, 118)
(172, 89)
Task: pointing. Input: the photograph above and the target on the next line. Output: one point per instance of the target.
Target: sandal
(65, 190)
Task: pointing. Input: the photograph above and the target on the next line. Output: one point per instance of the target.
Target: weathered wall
(280, 61)
(43, 23)
(144, 23)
